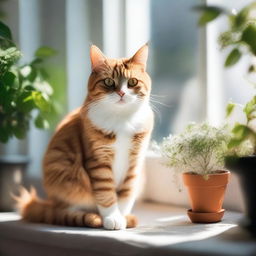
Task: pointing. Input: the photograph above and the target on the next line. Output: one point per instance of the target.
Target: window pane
(174, 65)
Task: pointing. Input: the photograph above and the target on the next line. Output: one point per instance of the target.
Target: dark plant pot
(12, 174)
(245, 167)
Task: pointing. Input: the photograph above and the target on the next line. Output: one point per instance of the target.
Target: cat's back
(66, 139)
(70, 121)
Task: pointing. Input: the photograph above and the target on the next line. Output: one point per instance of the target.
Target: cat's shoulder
(71, 119)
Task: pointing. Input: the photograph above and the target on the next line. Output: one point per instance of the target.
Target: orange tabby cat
(92, 163)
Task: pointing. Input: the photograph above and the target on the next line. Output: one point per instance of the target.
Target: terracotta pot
(206, 196)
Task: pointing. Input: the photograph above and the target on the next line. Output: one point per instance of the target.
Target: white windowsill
(162, 229)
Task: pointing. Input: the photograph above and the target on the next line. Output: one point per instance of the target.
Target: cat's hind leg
(131, 220)
(34, 209)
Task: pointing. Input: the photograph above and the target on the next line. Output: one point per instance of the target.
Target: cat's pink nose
(120, 93)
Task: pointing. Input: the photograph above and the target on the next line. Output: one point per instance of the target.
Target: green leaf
(229, 109)
(241, 131)
(7, 96)
(241, 18)
(250, 107)
(43, 73)
(252, 68)
(36, 61)
(41, 122)
(207, 17)
(234, 143)
(209, 13)
(25, 102)
(8, 57)
(44, 87)
(33, 74)
(29, 88)
(249, 37)
(40, 101)
(8, 78)
(44, 52)
(233, 58)
(4, 136)
(20, 132)
(5, 31)
(203, 8)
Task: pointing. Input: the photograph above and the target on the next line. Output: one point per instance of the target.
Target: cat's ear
(141, 57)
(97, 58)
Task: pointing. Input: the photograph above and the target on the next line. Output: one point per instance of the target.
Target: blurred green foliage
(241, 34)
(243, 132)
(23, 89)
(241, 39)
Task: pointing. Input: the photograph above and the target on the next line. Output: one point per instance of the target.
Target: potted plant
(240, 38)
(241, 159)
(198, 153)
(23, 89)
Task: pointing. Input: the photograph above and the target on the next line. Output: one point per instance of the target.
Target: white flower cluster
(199, 149)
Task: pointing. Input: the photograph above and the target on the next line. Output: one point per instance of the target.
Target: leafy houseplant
(199, 153)
(242, 160)
(23, 89)
(241, 39)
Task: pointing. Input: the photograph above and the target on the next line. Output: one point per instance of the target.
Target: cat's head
(119, 83)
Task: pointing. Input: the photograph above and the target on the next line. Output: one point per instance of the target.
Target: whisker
(156, 111)
(158, 102)
(157, 95)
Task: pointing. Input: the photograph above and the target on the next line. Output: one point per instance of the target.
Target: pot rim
(14, 159)
(240, 157)
(216, 173)
(215, 180)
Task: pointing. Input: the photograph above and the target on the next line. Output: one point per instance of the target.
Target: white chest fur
(120, 166)
(124, 124)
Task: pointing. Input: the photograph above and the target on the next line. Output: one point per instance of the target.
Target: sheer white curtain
(78, 43)
(30, 24)
(126, 26)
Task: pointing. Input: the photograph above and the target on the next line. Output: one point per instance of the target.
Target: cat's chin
(121, 102)
(124, 105)
(125, 102)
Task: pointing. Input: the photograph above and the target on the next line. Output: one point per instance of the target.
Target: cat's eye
(109, 82)
(132, 82)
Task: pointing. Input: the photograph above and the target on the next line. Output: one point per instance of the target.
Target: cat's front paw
(114, 221)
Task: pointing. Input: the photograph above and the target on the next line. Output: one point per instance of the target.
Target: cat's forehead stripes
(121, 70)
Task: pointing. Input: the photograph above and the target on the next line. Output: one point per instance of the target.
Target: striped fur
(79, 173)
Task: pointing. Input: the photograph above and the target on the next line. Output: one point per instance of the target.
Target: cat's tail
(34, 209)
